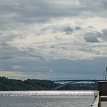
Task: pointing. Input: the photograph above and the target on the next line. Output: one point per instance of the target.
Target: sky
(53, 39)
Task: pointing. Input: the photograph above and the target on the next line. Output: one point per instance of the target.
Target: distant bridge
(63, 83)
(83, 80)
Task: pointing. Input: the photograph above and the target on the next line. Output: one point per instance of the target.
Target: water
(46, 99)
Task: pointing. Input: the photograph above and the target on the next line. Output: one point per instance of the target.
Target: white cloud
(51, 40)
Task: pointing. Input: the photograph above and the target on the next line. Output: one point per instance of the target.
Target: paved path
(103, 103)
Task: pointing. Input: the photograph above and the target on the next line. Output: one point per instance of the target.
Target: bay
(46, 99)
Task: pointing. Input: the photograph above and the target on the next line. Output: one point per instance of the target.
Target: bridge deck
(79, 80)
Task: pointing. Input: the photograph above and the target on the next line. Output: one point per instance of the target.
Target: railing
(96, 102)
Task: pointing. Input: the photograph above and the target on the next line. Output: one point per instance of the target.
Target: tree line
(36, 84)
(29, 84)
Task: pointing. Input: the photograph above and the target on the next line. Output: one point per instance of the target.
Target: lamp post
(105, 74)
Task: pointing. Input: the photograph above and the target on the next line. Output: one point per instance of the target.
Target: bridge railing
(97, 100)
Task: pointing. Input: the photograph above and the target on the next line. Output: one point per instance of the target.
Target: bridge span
(79, 80)
(86, 83)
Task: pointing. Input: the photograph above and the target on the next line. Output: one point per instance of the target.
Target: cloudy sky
(53, 39)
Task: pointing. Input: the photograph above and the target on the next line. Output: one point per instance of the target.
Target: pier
(101, 96)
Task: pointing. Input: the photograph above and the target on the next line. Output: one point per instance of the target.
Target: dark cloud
(68, 30)
(92, 37)
(104, 2)
(104, 35)
(77, 28)
(61, 69)
(105, 32)
(40, 10)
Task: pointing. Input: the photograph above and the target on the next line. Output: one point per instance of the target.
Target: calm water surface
(41, 100)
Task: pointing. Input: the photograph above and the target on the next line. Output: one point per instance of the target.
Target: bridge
(63, 83)
(83, 80)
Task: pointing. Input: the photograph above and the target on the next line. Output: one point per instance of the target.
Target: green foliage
(29, 84)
